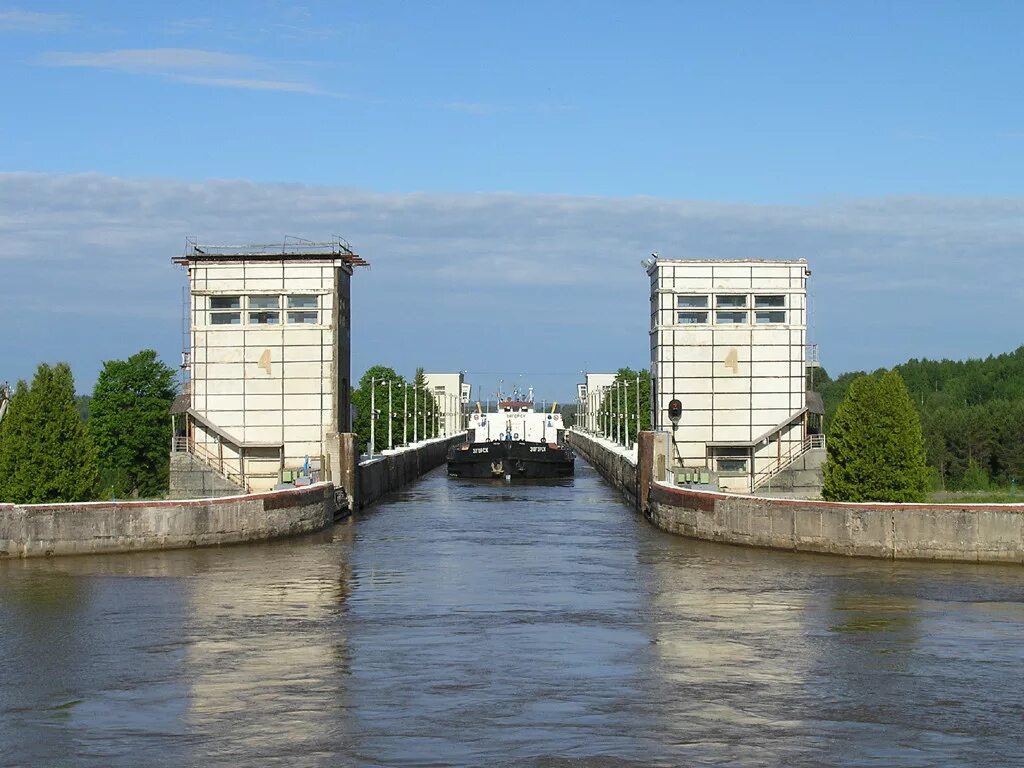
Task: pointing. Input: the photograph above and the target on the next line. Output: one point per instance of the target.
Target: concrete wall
(190, 478)
(35, 530)
(616, 468)
(976, 533)
(389, 472)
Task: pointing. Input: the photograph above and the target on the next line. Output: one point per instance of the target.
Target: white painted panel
(294, 386)
(297, 433)
(303, 402)
(731, 337)
(298, 417)
(725, 401)
(732, 418)
(224, 355)
(701, 353)
(766, 418)
(731, 384)
(725, 432)
(223, 370)
(268, 285)
(268, 433)
(693, 386)
(262, 402)
(778, 402)
(264, 271)
(306, 353)
(264, 386)
(692, 418)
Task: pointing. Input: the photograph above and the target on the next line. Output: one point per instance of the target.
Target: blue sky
(453, 142)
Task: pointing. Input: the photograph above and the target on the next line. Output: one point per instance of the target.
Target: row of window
(731, 301)
(265, 310)
(731, 318)
(731, 309)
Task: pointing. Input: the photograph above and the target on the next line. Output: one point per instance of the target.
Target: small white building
(728, 348)
(451, 393)
(269, 359)
(590, 395)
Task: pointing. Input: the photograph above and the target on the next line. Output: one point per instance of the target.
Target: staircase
(811, 442)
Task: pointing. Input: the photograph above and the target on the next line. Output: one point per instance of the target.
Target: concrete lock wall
(389, 472)
(34, 530)
(976, 533)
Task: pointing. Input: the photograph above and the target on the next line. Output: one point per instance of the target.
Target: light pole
(638, 407)
(391, 418)
(405, 414)
(415, 398)
(373, 413)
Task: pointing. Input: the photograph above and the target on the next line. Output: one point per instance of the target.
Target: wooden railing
(787, 459)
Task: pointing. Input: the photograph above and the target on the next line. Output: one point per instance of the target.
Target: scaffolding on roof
(291, 248)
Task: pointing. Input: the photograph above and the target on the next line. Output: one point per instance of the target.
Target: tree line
(55, 447)
(971, 414)
(413, 412)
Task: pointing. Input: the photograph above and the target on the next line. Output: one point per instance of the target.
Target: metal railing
(787, 459)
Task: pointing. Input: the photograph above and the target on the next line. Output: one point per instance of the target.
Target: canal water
(478, 624)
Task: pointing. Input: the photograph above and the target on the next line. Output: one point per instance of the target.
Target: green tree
(379, 375)
(129, 425)
(875, 446)
(45, 453)
(15, 477)
(619, 406)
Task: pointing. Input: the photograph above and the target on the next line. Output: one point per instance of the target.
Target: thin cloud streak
(892, 278)
(20, 20)
(185, 65)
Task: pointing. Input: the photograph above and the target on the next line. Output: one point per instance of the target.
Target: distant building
(590, 395)
(269, 359)
(451, 393)
(728, 345)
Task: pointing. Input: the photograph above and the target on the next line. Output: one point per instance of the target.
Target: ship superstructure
(513, 441)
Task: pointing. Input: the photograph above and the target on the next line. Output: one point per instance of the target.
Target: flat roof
(661, 260)
(290, 249)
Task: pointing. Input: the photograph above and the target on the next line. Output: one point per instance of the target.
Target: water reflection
(477, 624)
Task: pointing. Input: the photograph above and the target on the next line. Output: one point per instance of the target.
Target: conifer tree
(875, 447)
(46, 455)
(13, 444)
(129, 425)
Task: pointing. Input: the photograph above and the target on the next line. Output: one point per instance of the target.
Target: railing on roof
(811, 356)
(291, 246)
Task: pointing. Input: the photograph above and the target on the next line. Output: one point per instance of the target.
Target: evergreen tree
(45, 452)
(14, 480)
(875, 446)
(129, 425)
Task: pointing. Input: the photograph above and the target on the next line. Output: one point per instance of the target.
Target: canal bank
(485, 623)
(47, 530)
(973, 533)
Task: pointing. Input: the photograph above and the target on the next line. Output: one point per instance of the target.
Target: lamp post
(415, 414)
(405, 413)
(373, 413)
(391, 418)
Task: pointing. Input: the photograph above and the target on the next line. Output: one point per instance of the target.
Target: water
(470, 624)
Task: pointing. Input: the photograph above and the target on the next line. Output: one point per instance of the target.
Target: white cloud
(187, 65)
(503, 281)
(19, 20)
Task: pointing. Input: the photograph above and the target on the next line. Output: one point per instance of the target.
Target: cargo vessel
(515, 441)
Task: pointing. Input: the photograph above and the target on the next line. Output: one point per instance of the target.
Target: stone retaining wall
(389, 472)
(976, 533)
(35, 530)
